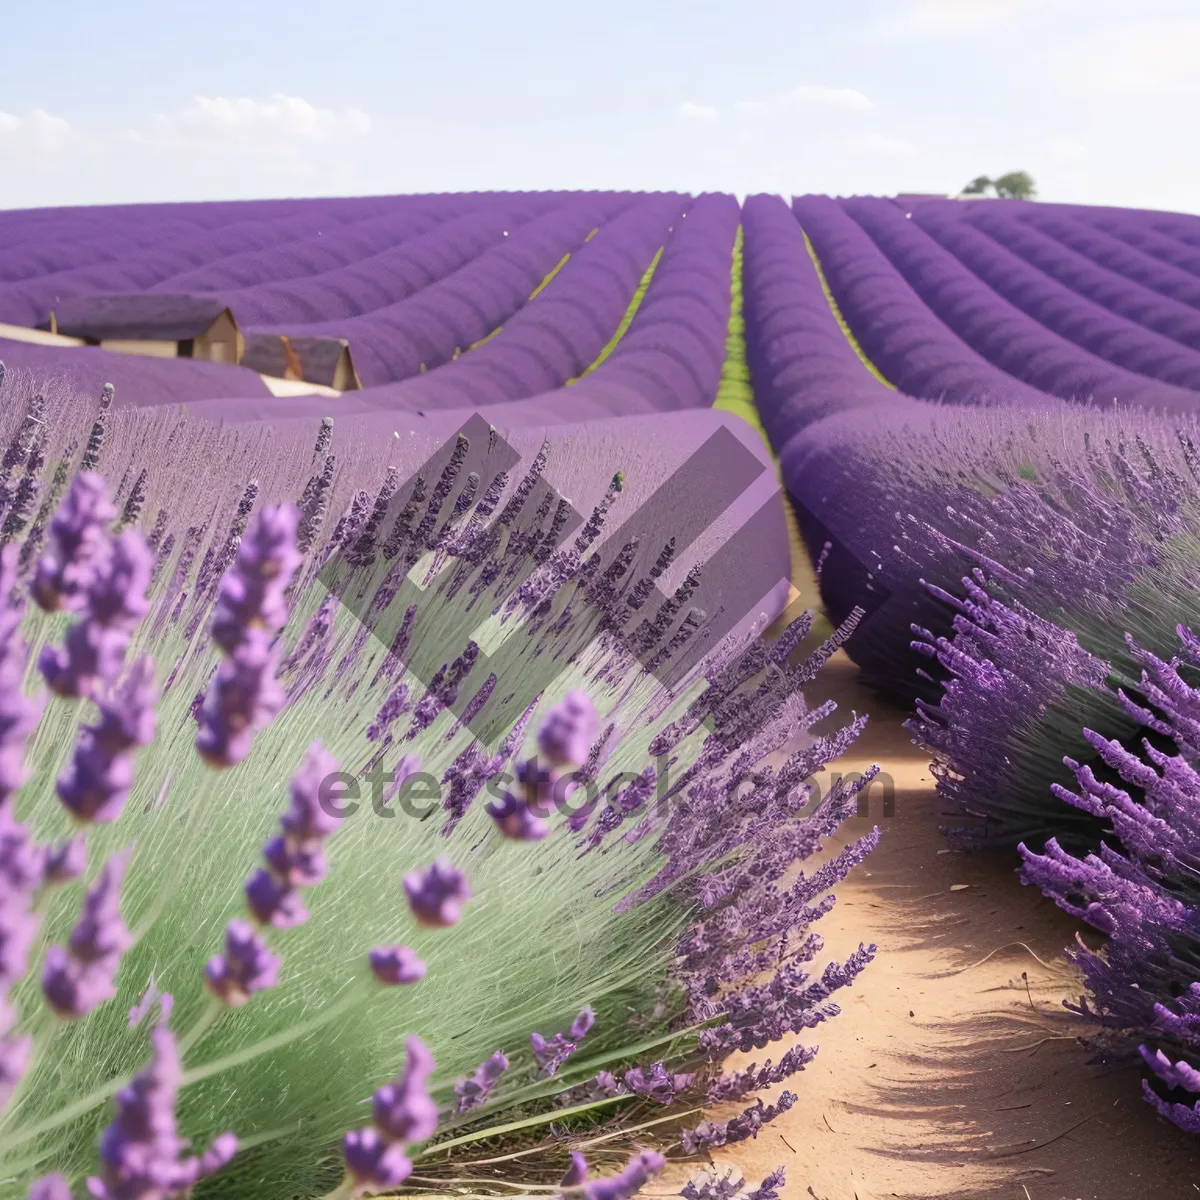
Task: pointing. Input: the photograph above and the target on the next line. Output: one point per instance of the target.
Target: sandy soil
(953, 1071)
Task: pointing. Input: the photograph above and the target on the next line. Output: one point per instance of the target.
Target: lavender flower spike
(76, 533)
(139, 1151)
(570, 728)
(50, 1187)
(577, 1172)
(79, 976)
(394, 965)
(622, 1186)
(243, 698)
(95, 785)
(472, 1093)
(246, 967)
(94, 648)
(252, 593)
(403, 1111)
(19, 715)
(437, 894)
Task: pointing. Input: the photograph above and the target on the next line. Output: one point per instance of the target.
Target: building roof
(318, 357)
(140, 316)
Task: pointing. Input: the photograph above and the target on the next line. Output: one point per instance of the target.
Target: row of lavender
(1028, 562)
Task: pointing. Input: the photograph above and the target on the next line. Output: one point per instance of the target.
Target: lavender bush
(492, 965)
(1139, 887)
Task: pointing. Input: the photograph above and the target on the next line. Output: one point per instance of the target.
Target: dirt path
(953, 1071)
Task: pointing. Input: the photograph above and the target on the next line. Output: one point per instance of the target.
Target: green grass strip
(630, 313)
(562, 262)
(735, 393)
(837, 312)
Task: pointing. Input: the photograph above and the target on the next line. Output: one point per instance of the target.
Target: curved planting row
(558, 333)
(1005, 335)
(897, 332)
(1139, 234)
(1084, 274)
(128, 257)
(802, 366)
(1067, 311)
(429, 327)
(412, 257)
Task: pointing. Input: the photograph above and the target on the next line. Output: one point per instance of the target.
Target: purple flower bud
(243, 698)
(94, 648)
(21, 862)
(79, 976)
(581, 1024)
(246, 967)
(252, 592)
(65, 862)
(516, 819)
(50, 1187)
(297, 865)
(396, 965)
(577, 1172)
(626, 1183)
(274, 902)
(567, 733)
(437, 894)
(307, 818)
(140, 1150)
(97, 782)
(75, 534)
(19, 715)
(472, 1093)
(403, 1111)
(376, 1163)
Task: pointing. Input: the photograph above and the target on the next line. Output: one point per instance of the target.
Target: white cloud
(40, 129)
(1152, 59)
(954, 18)
(280, 123)
(696, 112)
(880, 145)
(830, 97)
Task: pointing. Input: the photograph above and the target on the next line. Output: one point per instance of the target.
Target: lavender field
(453, 646)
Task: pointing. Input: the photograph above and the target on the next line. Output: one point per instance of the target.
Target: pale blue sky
(135, 100)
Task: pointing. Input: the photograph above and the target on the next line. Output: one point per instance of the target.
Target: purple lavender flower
(50, 1187)
(244, 697)
(567, 733)
(246, 967)
(297, 858)
(374, 1162)
(76, 536)
(96, 784)
(622, 1186)
(657, 1083)
(252, 592)
(553, 1052)
(472, 1093)
(19, 715)
(140, 1151)
(94, 648)
(577, 1172)
(65, 862)
(437, 894)
(401, 1112)
(80, 975)
(395, 965)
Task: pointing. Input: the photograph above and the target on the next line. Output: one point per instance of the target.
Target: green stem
(212, 1010)
(106, 1091)
(343, 1191)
